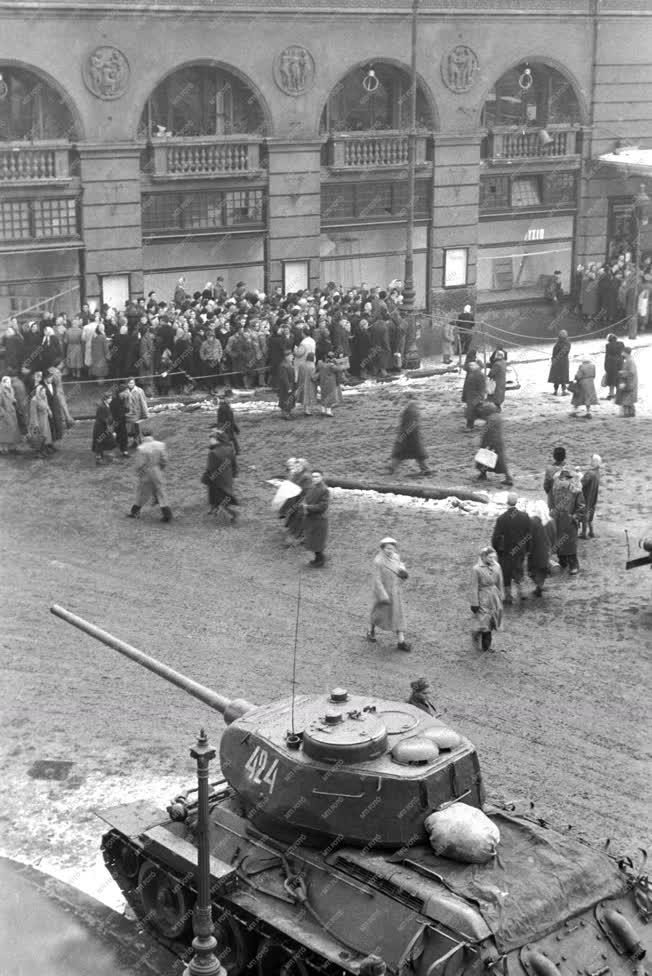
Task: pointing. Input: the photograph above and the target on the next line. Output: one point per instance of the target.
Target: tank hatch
(341, 735)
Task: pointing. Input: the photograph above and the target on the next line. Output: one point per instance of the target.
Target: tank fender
(620, 928)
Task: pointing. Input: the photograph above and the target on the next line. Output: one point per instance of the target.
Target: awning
(631, 162)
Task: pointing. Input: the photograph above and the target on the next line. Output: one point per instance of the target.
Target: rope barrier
(167, 375)
(585, 335)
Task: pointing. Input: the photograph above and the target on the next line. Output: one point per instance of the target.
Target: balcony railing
(34, 163)
(373, 150)
(179, 158)
(516, 144)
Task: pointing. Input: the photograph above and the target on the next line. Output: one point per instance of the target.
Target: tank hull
(294, 909)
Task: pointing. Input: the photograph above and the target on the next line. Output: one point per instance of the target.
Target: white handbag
(486, 458)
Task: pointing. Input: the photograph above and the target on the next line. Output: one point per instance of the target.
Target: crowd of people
(615, 290)
(620, 376)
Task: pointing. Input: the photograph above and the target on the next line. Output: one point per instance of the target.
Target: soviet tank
(320, 861)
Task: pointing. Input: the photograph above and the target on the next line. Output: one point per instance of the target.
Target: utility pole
(408, 287)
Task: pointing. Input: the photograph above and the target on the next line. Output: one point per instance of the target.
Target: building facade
(267, 141)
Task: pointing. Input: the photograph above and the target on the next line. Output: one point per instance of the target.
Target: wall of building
(247, 40)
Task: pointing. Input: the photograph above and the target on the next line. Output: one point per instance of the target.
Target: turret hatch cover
(341, 736)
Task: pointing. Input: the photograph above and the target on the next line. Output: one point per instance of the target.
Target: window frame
(464, 249)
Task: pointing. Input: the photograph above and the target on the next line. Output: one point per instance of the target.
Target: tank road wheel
(166, 905)
(235, 946)
(275, 959)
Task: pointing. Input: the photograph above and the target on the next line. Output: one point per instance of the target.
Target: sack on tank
(463, 833)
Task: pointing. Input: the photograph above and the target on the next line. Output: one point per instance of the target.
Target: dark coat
(613, 359)
(379, 350)
(408, 443)
(275, 352)
(221, 468)
(474, 387)
(559, 363)
(14, 351)
(315, 520)
(567, 511)
(492, 437)
(498, 373)
(590, 489)
(511, 539)
(542, 538)
(103, 438)
(286, 399)
(226, 421)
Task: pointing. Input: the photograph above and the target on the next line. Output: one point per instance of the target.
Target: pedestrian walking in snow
(486, 597)
(510, 539)
(387, 612)
(590, 489)
(151, 461)
(408, 442)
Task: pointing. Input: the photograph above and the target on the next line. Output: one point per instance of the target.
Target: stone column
(294, 207)
(111, 214)
(455, 196)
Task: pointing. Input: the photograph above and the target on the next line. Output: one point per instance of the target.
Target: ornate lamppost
(641, 216)
(204, 961)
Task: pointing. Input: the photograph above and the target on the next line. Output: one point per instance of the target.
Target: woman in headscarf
(498, 373)
(558, 374)
(100, 353)
(493, 439)
(298, 471)
(40, 432)
(590, 489)
(542, 540)
(568, 512)
(9, 433)
(304, 365)
(486, 597)
(72, 342)
(387, 612)
(584, 394)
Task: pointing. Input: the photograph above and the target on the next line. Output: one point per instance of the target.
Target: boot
(135, 512)
(486, 640)
(166, 514)
(591, 532)
(582, 534)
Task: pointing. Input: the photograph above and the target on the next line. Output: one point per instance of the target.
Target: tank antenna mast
(294, 656)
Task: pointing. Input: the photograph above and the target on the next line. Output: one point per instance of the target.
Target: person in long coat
(408, 442)
(315, 518)
(100, 353)
(380, 354)
(474, 391)
(285, 385)
(613, 358)
(137, 411)
(14, 347)
(120, 406)
(584, 393)
(486, 597)
(277, 347)
(542, 541)
(103, 436)
(298, 471)
(22, 403)
(226, 419)
(327, 373)
(510, 539)
(387, 612)
(558, 462)
(72, 342)
(50, 351)
(590, 491)
(9, 433)
(221, 469)
(493, 439)
(558, 374)
(498, 373)
(568, 513)
(151, 461)
(62, 419)
(40, 430)
(627, 394)
(304, 367)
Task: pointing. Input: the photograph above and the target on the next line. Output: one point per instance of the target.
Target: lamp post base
(204, 961)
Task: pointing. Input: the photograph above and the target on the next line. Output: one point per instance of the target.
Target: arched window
(374, 97)
(531, 94)
(202, 100)
(30, 109)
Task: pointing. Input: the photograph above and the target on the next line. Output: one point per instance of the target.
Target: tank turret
(357, 768)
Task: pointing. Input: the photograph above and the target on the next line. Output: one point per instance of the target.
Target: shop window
(545, 97)
(373, 200)
(494, 193)
(14, 221)
(357, 201)
(244, 207)
(526, 192)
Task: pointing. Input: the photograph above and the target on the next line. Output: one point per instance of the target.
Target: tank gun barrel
(231, 709)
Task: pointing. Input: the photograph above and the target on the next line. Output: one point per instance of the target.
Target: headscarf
(596, 460)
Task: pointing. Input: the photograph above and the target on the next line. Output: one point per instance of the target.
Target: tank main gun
(231, 709)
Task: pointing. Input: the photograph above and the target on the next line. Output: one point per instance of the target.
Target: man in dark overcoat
(286, 385)
(558, 374)
(379, 349)
(315, 520)
(408, 443)
(474, 392)
(221, 468)
(511, 539)
(498, 373)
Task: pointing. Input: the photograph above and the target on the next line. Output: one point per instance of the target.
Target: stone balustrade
(373, 150)
(518, 144)
(218, 156)
(43, 163)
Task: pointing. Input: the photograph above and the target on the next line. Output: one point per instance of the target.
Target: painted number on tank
(260, 770)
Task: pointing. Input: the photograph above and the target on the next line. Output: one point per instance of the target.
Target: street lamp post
(408, 287)
(641, 215)
(204, 961)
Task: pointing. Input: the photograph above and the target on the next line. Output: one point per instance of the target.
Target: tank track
(182, 948)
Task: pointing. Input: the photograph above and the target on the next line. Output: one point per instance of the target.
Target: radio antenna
(294, 656)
